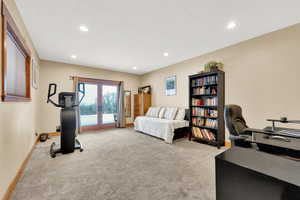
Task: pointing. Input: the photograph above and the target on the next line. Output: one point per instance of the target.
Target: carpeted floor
(121, 164)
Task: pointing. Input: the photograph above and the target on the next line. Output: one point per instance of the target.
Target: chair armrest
(240, 137)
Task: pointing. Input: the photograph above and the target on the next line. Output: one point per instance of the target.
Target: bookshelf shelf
(211, 142)
(207, 117)
(204, 95)
(205, 85)
(205, 127)
(201, 122)
(203, 106)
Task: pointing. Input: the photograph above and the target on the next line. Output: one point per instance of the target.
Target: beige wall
(262, 75)
(17, 121)
(60, 73)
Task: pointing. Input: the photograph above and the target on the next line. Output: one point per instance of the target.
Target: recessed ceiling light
(231, 25)
(166, 54)
(73, 56)
(134, 68)
(83, 28)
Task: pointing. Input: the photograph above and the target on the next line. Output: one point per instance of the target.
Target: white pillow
(153, 112)
(170, 113)
(180, 114)
(148, 114)
(156, 112)
(161, 112)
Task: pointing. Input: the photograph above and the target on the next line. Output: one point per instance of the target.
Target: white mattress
(161, 128)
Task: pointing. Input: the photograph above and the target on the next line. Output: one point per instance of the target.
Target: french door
(98, 108)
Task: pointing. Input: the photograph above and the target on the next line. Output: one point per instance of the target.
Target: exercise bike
(67, 128)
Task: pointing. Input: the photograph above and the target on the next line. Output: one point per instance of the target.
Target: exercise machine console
(68, 119)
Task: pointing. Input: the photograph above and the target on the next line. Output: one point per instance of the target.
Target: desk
(248, 174)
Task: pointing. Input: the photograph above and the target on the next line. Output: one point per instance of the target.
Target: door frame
(98, 82)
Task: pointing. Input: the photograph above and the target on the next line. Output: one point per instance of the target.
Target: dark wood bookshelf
(216, 85)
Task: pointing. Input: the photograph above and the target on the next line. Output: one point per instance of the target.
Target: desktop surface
(278, 167)
(245, 173)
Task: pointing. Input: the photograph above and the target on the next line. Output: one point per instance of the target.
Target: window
(15, 62)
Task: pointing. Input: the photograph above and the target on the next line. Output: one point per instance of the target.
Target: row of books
(203, 90)
(205, 102)
(204, 112)
(203, 133)
(211, 123)
(208, 80)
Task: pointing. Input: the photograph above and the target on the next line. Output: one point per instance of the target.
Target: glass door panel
(98, 108)
(89, 106)
(109, 103)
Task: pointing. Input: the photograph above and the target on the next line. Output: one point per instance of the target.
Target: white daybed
(161, 122)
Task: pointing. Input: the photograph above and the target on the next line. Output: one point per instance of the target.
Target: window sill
(12, 98)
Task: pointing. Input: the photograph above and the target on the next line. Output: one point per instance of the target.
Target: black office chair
(237, 126)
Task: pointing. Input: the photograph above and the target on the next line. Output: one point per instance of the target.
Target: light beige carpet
(121, 164)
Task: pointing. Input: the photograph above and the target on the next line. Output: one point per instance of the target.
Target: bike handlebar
(81, 91)
(53, 86)
(50, 94)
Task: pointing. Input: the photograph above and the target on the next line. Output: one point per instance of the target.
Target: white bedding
(161, 128)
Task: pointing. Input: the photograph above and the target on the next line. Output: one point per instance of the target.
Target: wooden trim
(13, 184)
(12, 25)
(227, 144)
(9, 26)
(129, 125)
(3, 60)
(13, 29)
(54, 134)
(97, 81)
(96, 127)
(15, 98)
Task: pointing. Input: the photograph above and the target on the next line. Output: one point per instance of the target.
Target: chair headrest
(233, 111)
(234, 119)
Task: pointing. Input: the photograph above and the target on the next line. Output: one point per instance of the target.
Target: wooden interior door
(146, 103)
(142, 102)
(136, 105)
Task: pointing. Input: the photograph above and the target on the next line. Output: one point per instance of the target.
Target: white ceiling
(135, 33)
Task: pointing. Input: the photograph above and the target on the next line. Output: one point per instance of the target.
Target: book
(210, 123)
(213, 101)
(204, 112)
(205, 90)
(203, 134)
(208, 80)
